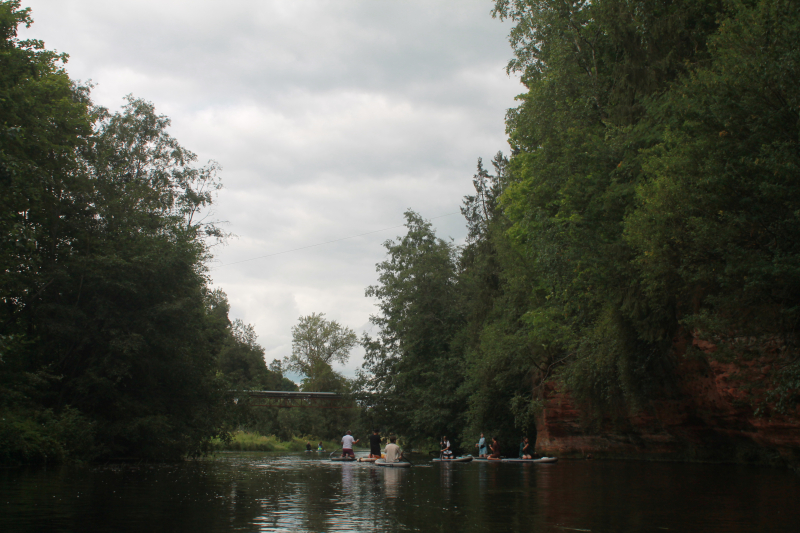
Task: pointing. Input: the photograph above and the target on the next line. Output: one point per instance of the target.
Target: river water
(300, 492)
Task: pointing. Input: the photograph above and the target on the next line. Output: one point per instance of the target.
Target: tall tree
(411, 375)
(317, 343)
(106, 327)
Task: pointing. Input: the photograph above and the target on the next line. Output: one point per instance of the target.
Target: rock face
(710, 419)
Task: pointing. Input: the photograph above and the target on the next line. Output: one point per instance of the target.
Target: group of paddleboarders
(483, 449)
(391, 454)
(525, 449)
(319, 447)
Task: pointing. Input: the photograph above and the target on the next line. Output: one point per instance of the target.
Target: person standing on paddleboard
(375, 445)
(393, 451)
(481, 446)
(447, 453)
(526, 450)
(347, 445)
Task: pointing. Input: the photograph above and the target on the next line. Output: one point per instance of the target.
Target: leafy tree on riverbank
(111, 341)
(650, 197)
(317, 343)
(412, 375)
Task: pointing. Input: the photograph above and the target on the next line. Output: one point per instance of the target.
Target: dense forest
(650, 196)
(112, 345)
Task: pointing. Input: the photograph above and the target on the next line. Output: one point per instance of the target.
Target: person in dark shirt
(375, 445)
(526, 452)
(495, 447)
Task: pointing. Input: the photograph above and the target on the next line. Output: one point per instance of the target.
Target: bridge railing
(288, 399)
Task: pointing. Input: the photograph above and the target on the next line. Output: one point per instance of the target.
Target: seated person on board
(308, 446)
(347, 445)
(495, 447)
(375, 445)
(319, 448)
(393, 451)
(447, 453)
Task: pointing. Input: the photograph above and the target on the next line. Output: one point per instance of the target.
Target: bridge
(286, 399)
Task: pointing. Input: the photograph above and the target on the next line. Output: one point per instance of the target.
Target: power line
(323, 243)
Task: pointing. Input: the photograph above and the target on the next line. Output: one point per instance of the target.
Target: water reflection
(272, 492)
(392, 479)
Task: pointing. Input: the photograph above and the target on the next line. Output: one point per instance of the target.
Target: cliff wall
(710, 418)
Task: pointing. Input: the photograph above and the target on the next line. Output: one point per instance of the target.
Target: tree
(317, 343)
(716, 222)
(106, 326)
(411, 376)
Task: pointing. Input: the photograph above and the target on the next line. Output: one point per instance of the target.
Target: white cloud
(329, 118)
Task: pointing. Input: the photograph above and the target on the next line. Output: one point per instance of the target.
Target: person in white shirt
(447, 453)
(393, 452)
(347, 445)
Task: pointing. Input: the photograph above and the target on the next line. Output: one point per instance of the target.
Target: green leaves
(102, 243)
(412, 375)
(317, 343)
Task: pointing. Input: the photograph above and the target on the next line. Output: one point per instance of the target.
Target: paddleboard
(465, 459)
(345, 459)
(367, 459)
(397, 464)
(541, 460)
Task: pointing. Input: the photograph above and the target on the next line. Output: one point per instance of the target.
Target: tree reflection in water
(285, 492)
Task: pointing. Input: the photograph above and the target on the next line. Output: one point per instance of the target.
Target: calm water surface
(295, 492)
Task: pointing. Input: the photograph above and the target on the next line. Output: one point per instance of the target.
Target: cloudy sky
(329, 119)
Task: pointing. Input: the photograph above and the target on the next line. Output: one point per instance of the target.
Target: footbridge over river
(287, 399)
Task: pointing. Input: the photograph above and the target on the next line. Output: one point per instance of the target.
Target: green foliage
(35, 437)
(650, 194)
(412, 376)
(717, 218)
(592, 70)
(316, 344)
(255, 442)
(110, 341)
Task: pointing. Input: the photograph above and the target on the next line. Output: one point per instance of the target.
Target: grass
(243, 441)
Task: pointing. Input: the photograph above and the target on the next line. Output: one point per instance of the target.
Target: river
(300, 492)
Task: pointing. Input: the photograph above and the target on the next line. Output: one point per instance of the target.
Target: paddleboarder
(393, 451)
(319, 448)
(481, 445)
(375, 445)
(525, 449)
(347, 445)
(495, 450)
(447, 453)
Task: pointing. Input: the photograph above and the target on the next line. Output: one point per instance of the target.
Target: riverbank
(244, 441)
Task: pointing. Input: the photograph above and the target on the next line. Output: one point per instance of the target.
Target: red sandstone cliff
(710, 419)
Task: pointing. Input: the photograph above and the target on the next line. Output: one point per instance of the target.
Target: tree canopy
(317, 343)
(111, 342)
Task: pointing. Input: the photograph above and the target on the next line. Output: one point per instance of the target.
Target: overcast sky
(329, 119)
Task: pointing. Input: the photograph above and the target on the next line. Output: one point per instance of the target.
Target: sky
(329, 120)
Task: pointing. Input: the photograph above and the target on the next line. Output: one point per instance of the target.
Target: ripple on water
(292, 492)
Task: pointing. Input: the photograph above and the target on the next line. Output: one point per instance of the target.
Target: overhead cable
(323, 243)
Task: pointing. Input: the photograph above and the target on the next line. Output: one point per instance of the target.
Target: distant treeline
(652, 194)
(112, 345)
